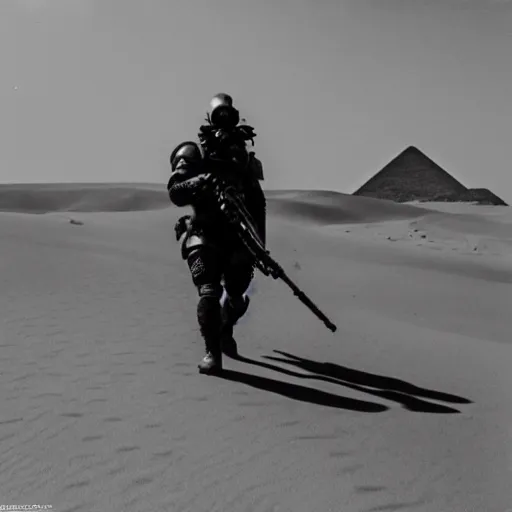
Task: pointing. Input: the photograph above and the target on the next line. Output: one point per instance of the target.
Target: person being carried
(218, 261)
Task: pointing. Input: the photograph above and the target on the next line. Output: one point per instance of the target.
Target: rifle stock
(237, 214)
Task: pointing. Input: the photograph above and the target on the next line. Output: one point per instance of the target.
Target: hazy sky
(101, 90)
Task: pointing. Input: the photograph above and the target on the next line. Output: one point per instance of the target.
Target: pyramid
(412, 176)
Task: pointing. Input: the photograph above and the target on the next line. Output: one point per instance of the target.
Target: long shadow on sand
(300, 393)
(389, 388)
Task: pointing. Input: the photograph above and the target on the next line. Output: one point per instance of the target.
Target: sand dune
(324, 207)
(314, 206)
(45, 198)
(406, 407)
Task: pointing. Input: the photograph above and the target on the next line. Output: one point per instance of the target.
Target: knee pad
(210, 290)
(235, 308)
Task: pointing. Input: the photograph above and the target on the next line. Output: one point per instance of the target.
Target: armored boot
(232, 311)
(209, 316)
(211, 362)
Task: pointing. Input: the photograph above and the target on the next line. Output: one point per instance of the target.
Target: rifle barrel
(265, 262)
(307, 301)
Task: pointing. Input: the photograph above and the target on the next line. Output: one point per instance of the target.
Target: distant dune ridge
(324, 207)
(311, 206)
(409, 177)
(90, 197)
(413, 176)
(307, 207)
(462, 228)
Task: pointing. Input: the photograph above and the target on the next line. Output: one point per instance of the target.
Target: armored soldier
(218, 262)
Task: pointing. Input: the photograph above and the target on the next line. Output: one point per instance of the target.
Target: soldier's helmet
(185, 154)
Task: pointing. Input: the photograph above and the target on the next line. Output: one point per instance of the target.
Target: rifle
(238, 216)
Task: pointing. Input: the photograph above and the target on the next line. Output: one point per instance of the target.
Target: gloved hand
(210, 183)
(202, 183)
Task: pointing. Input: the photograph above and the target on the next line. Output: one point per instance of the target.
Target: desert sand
(406, 407)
